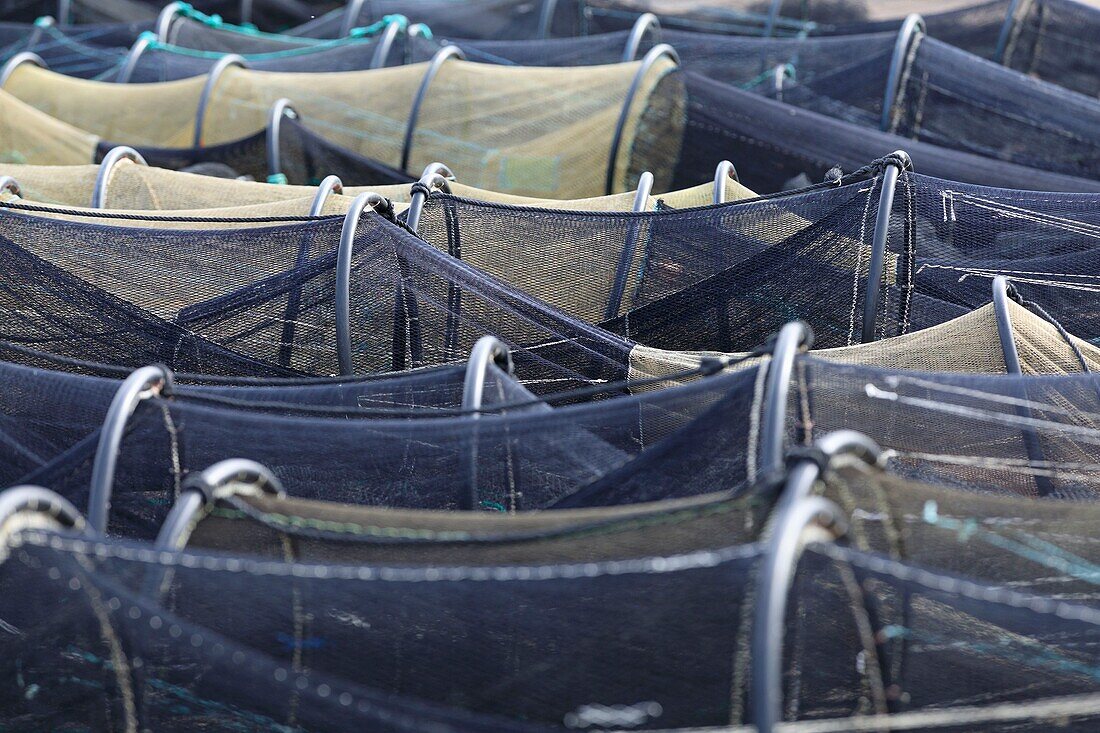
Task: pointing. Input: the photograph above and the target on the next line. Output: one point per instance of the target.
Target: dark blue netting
(777, 145)
(1055, 40)
(267, 14)
(87, 52)
(247, 156)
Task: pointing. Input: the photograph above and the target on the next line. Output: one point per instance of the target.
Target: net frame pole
(794, 338)
(434, 178)
(441, 56)
(25, 57)
(630, 246)
(352, 11)
(894, 164)
(325, 189)
(647, 23)
(129, 64)
(107, 166)
(231, 477)
(912, 29)
(641, 196)
(772, 17)
(143, 383)
(724, 170)
(164, 20)
(9, 184)
(64, 12)
(487, 349)
(246, 12)
(282, 107)
(385, 44)
(780, 74)
(1010, 29)
(20, 503)
(546, 19)
(343, 276)
(212, 78)
(651, 57)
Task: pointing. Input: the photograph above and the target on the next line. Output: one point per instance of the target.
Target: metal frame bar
(9, 184)
(661, 49)
(280, 108)
(164, 20)
(782, 72)
(793, 339)
(440, 57)
(35, 499)
(140, 385)
(436, 180)
(107, 166)
(724, 170)
(133, 56)
(641, 196)
(772, 17)
(878, 243)
(246, 12)
(907, 34)
(385, 44)
(546, 18)
(630, 246)
(1008, 29)
(212, 78)
(64, 12)
(200, 491)
(352, 11)
(26, 57)
(646, 23)
(343, 277)
(487, 349)
(327, 187)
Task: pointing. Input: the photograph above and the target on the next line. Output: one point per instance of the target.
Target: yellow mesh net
(28, 135)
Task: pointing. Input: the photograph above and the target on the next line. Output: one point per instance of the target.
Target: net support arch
(26, 506)
(794, 338)
(725, 170)
(434, 178)
(385, 43)
(893, 165)
(343, 275)
(141, 45)
(281, 108)
(352, 12)
(488, 349)
(107, 166)
(626, 257)
(10, 185)
(164, 20)
(143, 383)
(1010, 30)
(26, 57)
(651, 57)
(911, 31)
(325, 189)
(441, 57)
(646, 24)
(546, 18)
(212, 78)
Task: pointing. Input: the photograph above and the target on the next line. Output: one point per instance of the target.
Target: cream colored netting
(28, 135)
(967, 344)
(160, 114)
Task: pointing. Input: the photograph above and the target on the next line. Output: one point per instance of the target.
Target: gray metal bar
(106, 167)
(912, 26)
(655, 53)
(878, 243)
(646, 23)
(440, 57)
(212, 78)
(343, 277)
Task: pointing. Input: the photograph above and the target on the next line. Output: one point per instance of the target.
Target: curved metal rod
(280, 108)
(775, 576)
(164, 20)
(246, 12)
(793, 338)
(107, 166)
(661, 49)
(35, 499)
(641, 196)
(1004, 325)
(9, 184)
(440, 168)
(910, 28)
(724, 170)
(26, 57)
(133, 56)
(546, 18)
(65, 12)
(878, 244)
(385, 43)
(140, 385)
(1008, 29)
(351, 17)
(773, 16)
(212, 78)
(40, 26)
(327, 187)
(430, 181)
(440, 57)
(343, 276)
(487, 349)
(646, 23)
(781, 73)
(201, 491)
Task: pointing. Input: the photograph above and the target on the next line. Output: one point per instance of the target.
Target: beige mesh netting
(30, 136)
(969, 343)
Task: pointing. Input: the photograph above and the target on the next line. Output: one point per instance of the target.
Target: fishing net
(30, 136)
(94, 52)
(192, 30)
(776, 146)
(1055, 41)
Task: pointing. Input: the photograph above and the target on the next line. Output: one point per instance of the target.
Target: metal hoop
(164, 20)
(546, 18)
(246, 12)
(661, 49)
(781, 73)
(65, 12)
(107, 166)
(212, 78)
(27, 498)
(630, 246)
(280, 108)
(133, 55)
(1008, 29)
(1004, 325)
(895, 163)
(201, 491)
(434, 181)
(907, 34)
(140, 385)
(646, 23)
(441, 56)
(26, 57)
(9, 184)
(793, 339)
(327, 187)
(343, 277)
(385, 43)
(351, 16)
(724, 170)
(487, 349)
(641, 196)
(772, 17)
